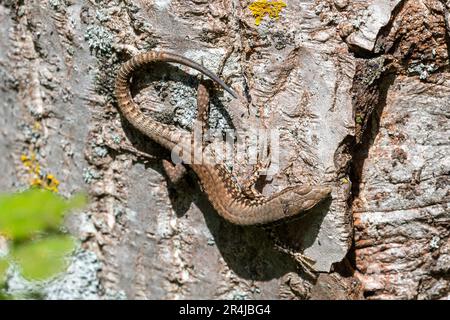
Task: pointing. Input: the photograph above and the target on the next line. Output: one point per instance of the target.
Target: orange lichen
(260, 8)
(47, 181)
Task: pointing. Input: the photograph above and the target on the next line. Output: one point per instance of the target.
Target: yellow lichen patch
(260, 8)
(37, 126)
(52, 183)
(37, 179)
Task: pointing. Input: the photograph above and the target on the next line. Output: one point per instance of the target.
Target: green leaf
(4, 264)
(43, 258)
(24, 214)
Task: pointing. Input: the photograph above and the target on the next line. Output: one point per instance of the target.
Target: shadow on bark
(248, 251)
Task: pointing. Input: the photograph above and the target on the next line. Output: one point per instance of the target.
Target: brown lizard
(223, 192)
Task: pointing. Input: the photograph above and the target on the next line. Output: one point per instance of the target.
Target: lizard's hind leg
(176, 172)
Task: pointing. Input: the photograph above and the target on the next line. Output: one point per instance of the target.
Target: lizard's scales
(223, 193)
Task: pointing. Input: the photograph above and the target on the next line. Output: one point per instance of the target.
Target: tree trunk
(357, 91)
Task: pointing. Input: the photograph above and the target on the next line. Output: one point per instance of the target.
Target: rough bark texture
(358, 90)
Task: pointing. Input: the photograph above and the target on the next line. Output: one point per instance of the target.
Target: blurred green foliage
(3, 267)
(43, 258)
(31, 222)
(24, 214)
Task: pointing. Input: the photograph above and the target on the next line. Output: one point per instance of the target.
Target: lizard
(225, 195)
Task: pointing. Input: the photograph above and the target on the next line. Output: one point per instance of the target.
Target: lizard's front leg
(304, 262)
(248, 186)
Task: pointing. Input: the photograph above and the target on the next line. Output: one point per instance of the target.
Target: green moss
(423, 70)
(375, 69)
(90, 175)
(54, 4)
(99, 40)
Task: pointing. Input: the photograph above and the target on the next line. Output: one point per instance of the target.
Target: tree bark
(358, 92)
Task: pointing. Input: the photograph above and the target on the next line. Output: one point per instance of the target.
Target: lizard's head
(297, 199)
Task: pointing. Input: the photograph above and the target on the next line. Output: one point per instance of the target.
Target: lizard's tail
(153, 56)
(166, 135)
